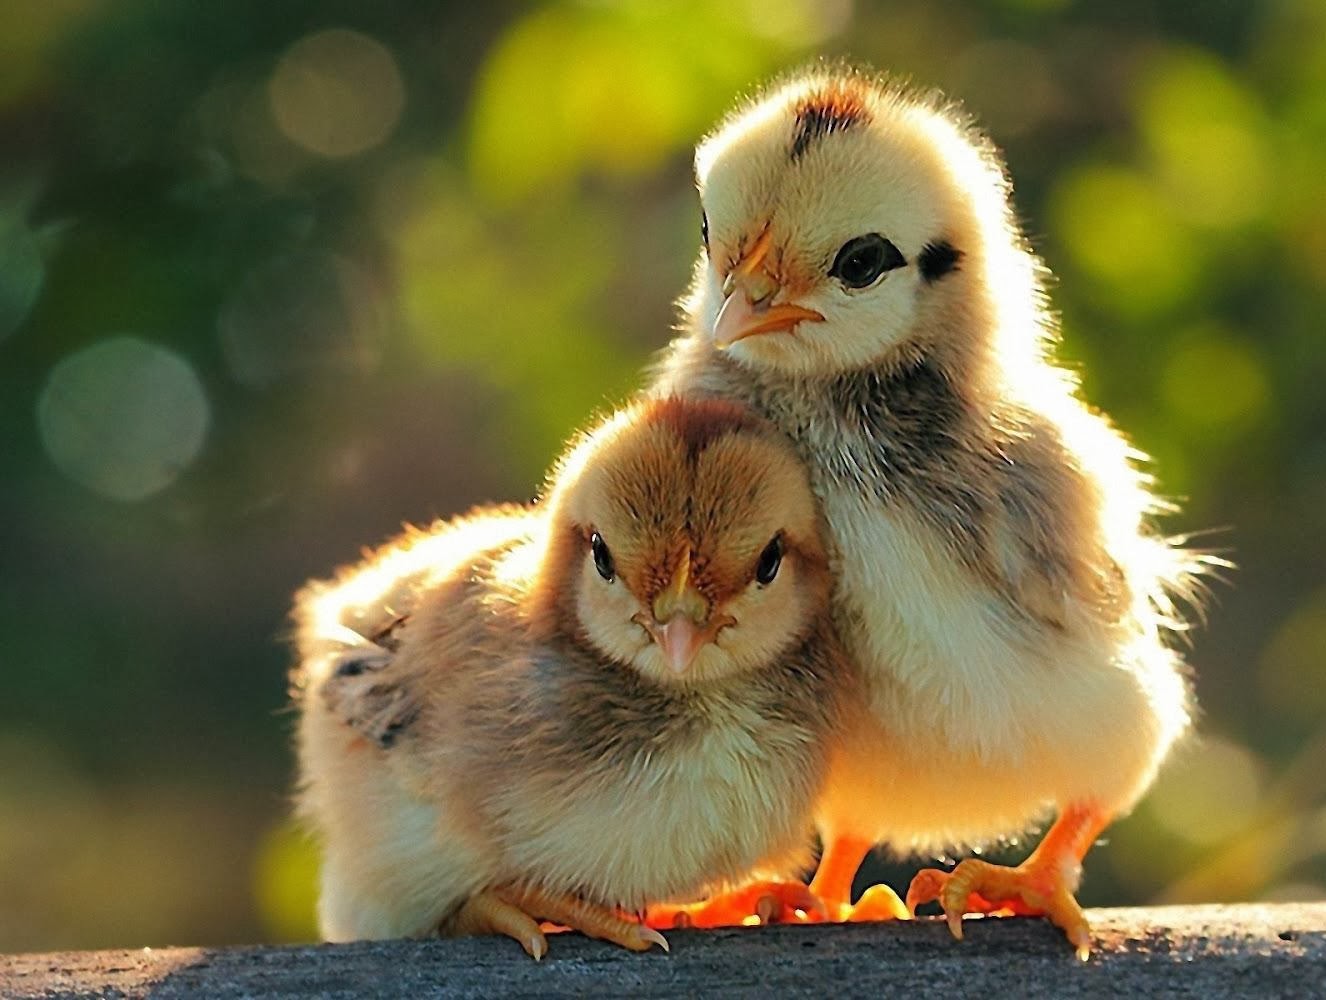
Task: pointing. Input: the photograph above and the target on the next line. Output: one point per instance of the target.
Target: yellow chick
(569, 712)
(865, 285)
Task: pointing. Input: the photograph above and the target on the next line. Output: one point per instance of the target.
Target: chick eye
(863, 259)
(704, 229)
(602, 557)
(770, 559)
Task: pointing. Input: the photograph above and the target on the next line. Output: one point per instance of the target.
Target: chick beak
(679, 640)
(680, 619)
(748, 307)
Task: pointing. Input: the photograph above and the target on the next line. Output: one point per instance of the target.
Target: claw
(536, 948)
(1034, 887)
(489, 913)
(1042, 885)
(511, 911)
(954, 918)
(653, 936)
(925, 888)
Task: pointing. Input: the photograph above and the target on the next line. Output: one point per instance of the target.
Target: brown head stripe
(700, 422)
(837, 108)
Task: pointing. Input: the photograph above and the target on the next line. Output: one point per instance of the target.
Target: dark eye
(704, 229)
(864, 259)
(602, 557)
(770, 559)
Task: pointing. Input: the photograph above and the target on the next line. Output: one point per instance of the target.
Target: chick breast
(630, 794)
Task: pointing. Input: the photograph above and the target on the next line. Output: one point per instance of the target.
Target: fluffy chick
(865, 285)
(570, 712)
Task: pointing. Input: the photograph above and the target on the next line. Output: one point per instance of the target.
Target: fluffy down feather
(481, 707)
(997, 576)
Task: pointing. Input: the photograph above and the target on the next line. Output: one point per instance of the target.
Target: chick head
(848, 220)
(687, 541)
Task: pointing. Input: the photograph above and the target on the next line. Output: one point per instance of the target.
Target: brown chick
(570, 712)
(865, 285)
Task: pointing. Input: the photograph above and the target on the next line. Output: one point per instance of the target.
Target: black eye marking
(602, 557)
(863, 259)
(770, 559)
(704, 229)
(937, 259)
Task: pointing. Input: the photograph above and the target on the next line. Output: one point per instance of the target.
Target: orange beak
(680, 623)
(748, 306)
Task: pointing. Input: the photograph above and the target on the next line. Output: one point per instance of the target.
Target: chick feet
(833, 884)
(762, 902)
(879, 902)
(512, 912)
(1034, 888)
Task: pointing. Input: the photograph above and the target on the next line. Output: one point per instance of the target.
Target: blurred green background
(276, 277)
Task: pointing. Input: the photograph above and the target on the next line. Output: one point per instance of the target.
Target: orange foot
(978, 886)
(512, 911)
(1042, 885)
(879, 902)
(833, 885)
(761, 902)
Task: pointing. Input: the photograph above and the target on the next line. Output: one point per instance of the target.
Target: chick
(569, 712)
(864, 284)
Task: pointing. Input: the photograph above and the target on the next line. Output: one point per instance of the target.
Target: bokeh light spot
(337, 93)
(123, 418)
(236, 114)
(1292, 672)
(1122, 232)
(1212, 381)
(306, 312)
(1207, 137)
(1209, 793)
(30, 33)
(21, 273)
(550, 101)
(508, 310)
(544, 101)
(798, 22)
(285, 883)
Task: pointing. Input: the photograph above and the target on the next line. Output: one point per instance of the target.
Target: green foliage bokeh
(275, 278)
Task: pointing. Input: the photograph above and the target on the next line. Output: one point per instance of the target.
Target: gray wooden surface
(1204, 951)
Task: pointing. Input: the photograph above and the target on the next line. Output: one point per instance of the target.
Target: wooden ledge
(1197, 951)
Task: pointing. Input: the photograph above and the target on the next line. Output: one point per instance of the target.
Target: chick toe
(590, 919)
(489, 913)
(766, 901)
(1034, 888)
(879, 902)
